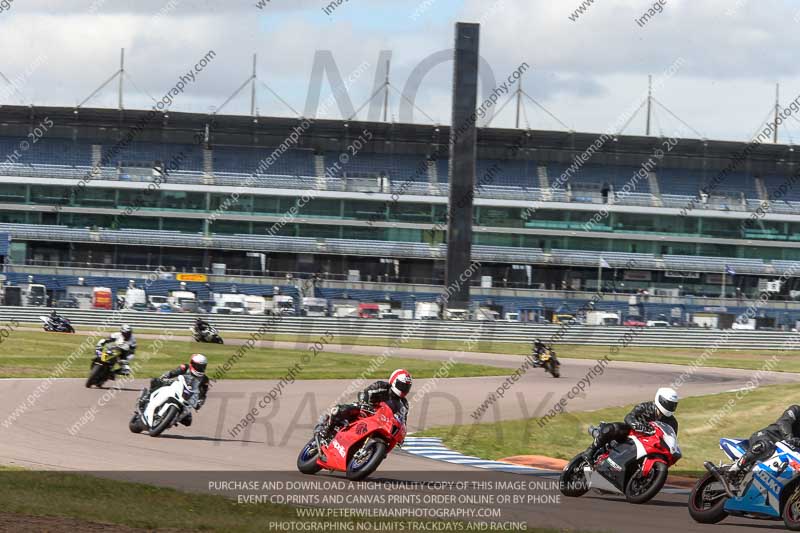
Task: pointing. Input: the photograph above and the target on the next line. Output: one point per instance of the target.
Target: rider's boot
(143, 398)
(124, 368)
(186, 420)
(729, 478)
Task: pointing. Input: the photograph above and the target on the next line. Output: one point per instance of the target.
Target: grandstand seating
(514, 179)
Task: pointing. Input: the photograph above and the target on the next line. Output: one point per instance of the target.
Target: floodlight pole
(253, 89)
(386, 93)
(777, 110)
(649, 101)
(121, 74)
(519, 101)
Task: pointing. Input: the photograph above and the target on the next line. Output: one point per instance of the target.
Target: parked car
(657, 324)
(140, 306)
(165, 308)
(631, 322)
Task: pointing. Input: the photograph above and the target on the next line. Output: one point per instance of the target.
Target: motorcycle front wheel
(551, 367)
(307, 460)
(136, 425)
(573, 482)
(366, 460)
(165, 422)
(96, 376)
(642, 489)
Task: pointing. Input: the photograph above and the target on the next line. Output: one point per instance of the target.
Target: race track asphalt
(77, 429)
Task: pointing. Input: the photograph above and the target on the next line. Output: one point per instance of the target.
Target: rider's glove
(199, 405)
(363, 397)
(98, 352)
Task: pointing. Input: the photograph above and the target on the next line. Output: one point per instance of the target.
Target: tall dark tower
(462, 162)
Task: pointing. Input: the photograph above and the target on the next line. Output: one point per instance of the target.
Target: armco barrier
(431, 330)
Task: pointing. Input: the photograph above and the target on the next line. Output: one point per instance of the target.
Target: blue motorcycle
(770, 490)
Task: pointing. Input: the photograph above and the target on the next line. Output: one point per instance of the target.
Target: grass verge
(35, 354)
(566, 435)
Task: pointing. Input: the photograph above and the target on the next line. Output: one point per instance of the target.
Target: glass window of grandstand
(185, 225)
(231, 227)
(12, 193)
(721, 227)
(185, 200)
(495, 239)
(137, 198)
(499, 216)
(273, 229)
(366, 210)
(320, 207)
(86, 220)
(93, 197)
(550, 219)
(364, 232)
(767, 229)
(226, 202)
(265, 204)
(317, 231)
(42, 194)
(410, 212)
(14, 217)
(134, 222)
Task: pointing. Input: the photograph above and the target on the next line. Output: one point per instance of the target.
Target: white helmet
(666, 401)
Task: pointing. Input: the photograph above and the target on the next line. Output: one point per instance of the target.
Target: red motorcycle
(357, 448)
(636, 468)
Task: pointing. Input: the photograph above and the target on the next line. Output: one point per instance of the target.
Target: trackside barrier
(431, 330)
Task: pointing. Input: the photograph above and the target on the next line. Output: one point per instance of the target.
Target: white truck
(34, 295)
(156, 301)
(229, 304)
(456, 314)
(602, 318)
(427, 310)
(134, 296)
(255, 305)
(182, 301)
(315, 306)
(280, 304)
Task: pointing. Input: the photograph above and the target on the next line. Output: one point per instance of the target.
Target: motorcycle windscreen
(617, 466)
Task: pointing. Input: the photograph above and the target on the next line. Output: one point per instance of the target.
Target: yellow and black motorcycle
(550, 362)
(102, 368)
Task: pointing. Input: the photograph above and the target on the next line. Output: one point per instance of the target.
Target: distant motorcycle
(62, 325)
(209, 334)
(165, 408)
(636, 468)
(550, 363)
(102, 368)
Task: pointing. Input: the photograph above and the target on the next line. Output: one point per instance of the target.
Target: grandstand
(82, 195)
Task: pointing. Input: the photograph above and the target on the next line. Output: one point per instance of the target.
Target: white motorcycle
(167, 406)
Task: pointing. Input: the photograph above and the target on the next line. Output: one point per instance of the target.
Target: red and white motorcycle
(636, 468)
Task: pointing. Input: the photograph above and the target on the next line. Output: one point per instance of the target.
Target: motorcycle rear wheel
(307, 460)
(551, 367)
(715, 512)
(573, 482)
(360, 466)
(639, 490)
(166, 421)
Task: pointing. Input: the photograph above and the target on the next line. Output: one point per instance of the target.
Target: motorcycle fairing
(616, 467)
(734, 448)
(382, 425)
(159, 400)
(765, 483)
